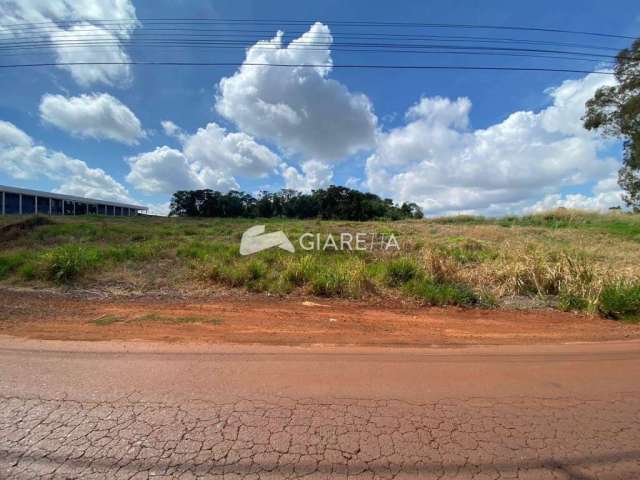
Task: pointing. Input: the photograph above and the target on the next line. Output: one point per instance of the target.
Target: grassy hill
(566, 259)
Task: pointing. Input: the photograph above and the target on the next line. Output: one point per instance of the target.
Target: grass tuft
(400, 271)
(621, 301)
(108, 320)
(67, 262)
(441, 294)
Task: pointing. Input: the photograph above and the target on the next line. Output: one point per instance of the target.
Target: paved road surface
(136, 410)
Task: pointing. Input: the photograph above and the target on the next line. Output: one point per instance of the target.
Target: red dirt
(264, 320)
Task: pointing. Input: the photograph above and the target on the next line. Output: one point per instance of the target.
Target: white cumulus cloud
(98, 116)
(65, 37)
(22, 158)
(211, 158)
(314, 175)
(438, 161)
(300, 109)
(605, 194)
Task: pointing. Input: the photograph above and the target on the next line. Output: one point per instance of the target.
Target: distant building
(21, 201)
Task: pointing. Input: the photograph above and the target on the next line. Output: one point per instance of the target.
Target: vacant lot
(567, 260)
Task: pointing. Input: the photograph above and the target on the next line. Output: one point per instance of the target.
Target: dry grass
(567, 258)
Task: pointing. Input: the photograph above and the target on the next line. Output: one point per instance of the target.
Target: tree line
(332, 203)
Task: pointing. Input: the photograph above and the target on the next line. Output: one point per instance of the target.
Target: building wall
(12, 203)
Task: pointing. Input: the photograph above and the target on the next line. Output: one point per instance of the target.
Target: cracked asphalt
(127, 410)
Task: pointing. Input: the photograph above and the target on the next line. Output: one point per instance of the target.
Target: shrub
(441, 294)
(620, 301)
(400, 271)
(68, 262)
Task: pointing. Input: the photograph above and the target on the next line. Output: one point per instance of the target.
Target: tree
(615, 111)
(334, 202)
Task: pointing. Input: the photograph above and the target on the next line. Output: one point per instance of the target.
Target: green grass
(439, 294)
(67, 262)
(400, 271)
(155, 317)
(621, 301)
(619, 224)
(108, 320)
(567, 257)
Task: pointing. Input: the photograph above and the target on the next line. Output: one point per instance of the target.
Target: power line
(259, 35)
(347, 50)
(297, 46)
(368, 23)
(329, 39)
(31, 39)
(293, 65)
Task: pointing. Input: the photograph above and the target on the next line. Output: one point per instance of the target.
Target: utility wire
(30, 39)
(325, 21)
(297, 46)
(294, 65)
(345, 50)
(260, 34)
(331, 40)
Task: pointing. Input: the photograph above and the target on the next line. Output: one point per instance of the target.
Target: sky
(453, 141)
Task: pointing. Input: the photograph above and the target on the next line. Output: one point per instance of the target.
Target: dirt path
(264, 320)
(110, 410)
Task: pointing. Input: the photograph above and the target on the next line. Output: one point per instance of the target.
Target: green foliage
(300, 269)
(461, 220)
(467, 262)
(155, 317)
(617, 224)
(621, 301)
(441, 293)
(336, 203)
(400, 271)
(108, 320)
(467, 250)
(9, 263)
(571, 302)
(346, 279)
(67, 262)
(614, 111)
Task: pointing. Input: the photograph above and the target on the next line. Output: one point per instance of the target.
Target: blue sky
(453, 141)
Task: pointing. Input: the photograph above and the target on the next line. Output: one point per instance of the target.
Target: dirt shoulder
(274, 321)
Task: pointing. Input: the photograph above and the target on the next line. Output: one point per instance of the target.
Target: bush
(621, 301)
(67, 262)
(441, 294)
(400, 271)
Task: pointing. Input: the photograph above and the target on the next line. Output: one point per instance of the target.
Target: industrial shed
(22, 201)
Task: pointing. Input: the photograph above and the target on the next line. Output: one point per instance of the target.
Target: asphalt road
(140, 410)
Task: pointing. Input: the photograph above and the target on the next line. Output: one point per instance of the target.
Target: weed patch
(621, 301)
(441, 294)
(400, 271)
(66, 263)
